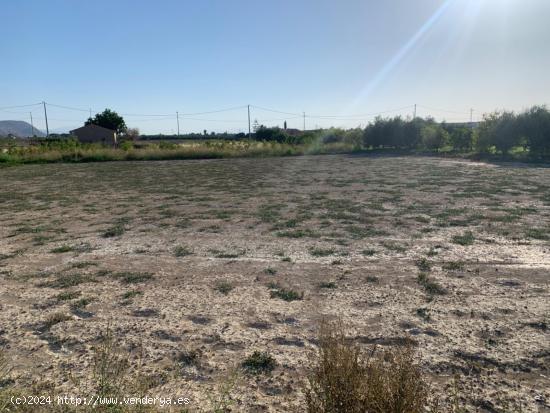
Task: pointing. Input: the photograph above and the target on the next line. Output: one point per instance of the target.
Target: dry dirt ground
(193, 265)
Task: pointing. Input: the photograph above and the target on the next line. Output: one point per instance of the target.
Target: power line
(20, 106)
(443, 110)
(67, 107)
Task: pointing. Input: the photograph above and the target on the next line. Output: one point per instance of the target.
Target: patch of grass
(270, 271)
(372, 279)
(423, 265)
(430, 286)
(538, 233)
(369, 252)
(394, 246)
(68, 295)
(286, 294)
(336, 262)
(346, 379)
(228, 254)
(322, 252)
(465, 239)
(83, 264)
(128, 277)
(182, 251)
(327, 284)
(115, 230)
(128, 295)
(54, 319)
(67, 281)
(61, 249)
(453, 266)
(83, 302)
(259, 362)
(224, 287)
(298, 233)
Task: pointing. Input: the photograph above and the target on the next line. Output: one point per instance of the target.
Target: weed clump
(133, 277)
(54, 319)
(182, 251)
(346, 380)
(453, 266)
(465, 239)
(224, 287)
(259, 362)
(61, 249)
(430, 286)
(423, 264)
(322, 252)
(284, 293)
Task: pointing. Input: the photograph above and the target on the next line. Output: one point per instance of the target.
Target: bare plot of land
(194, 265)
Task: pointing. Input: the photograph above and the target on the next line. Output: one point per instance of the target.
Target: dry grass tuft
(347, 379)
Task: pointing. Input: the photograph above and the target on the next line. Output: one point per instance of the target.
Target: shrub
(345, 379)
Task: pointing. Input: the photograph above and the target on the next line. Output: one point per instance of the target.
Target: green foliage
(462, 138)
(108, 119)
(259, 362)
(434, 137)
(271, 134)
(535, 126)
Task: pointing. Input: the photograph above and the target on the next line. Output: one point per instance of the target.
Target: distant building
(95, 134)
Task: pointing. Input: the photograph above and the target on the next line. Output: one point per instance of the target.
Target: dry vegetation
(209, 279)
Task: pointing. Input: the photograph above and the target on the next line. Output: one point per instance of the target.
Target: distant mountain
(18, 128)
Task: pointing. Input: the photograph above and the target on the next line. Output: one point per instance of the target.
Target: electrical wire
(20, 106)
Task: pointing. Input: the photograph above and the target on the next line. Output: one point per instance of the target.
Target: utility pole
(414, 116)
(90, 113)
(304, 121)
(471, 116)
(46, 116)
(32, 126)
(178, 120)
(249, 135)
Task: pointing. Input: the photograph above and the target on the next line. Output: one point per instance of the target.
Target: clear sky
(345, 58)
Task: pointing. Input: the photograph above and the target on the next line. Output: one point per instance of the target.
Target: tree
(535, 126)
(434, 136)
(108, 119)
(462, 138)
(131, 134)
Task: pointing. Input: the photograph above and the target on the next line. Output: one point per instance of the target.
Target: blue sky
(348, 59)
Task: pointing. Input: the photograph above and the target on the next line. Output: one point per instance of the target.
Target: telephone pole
(414, 116)
(32, 126)
(178, 120)
(249, 135)
(471, 116)
(46, 116)
(304, 113)
(90, 113)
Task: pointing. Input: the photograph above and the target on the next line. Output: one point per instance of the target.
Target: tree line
(501, 132)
